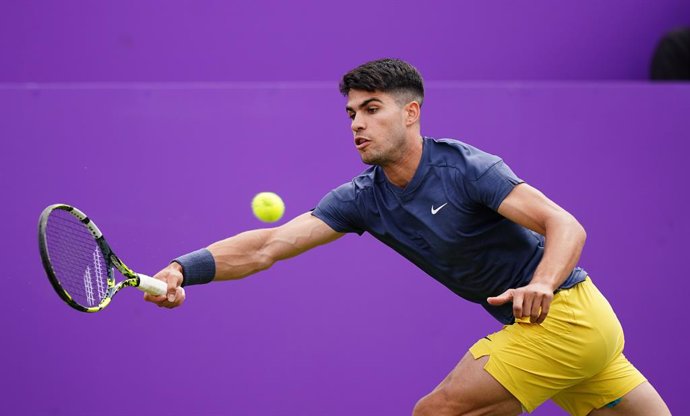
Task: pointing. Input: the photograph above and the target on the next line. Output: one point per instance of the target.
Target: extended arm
(564, 240)
(250, 252)
(256, 250)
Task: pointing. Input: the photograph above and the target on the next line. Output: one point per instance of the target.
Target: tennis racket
(79, 262)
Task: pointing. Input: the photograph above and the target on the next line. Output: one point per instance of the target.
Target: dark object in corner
(671, 60)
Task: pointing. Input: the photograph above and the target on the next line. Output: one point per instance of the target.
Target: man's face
(378, 125)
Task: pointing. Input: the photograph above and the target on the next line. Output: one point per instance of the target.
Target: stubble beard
(378, 158)
(387, 156)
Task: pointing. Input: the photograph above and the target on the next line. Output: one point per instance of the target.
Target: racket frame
(111, 260)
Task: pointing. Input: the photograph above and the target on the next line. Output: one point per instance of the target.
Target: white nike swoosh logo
(435, 210)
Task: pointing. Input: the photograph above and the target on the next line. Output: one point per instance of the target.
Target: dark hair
(386, 75)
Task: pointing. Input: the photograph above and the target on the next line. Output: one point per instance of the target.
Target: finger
(153, 299)
(517, 304)
(171, 294)
(535, 309)
(527, 302)
(545, 306)
(501, 299)
(164, 303)
(179, 299)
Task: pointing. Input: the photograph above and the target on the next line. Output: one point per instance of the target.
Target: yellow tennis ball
(268, 207)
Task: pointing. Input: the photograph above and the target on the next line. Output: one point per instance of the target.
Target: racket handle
(151, 286)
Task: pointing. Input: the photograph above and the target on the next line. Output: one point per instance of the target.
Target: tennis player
(463, 217)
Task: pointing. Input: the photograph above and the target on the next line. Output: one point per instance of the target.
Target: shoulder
(466, 159)
(342, 207)
(359, 185)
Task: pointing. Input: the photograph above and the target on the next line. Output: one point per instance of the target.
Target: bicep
(300, 234)
(527, 206)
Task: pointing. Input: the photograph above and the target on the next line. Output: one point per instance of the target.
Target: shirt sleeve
(339, 210)
(492, 185)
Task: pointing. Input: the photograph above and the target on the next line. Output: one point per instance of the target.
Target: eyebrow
(364, 104)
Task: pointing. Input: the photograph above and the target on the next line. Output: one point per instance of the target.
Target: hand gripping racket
(79, 262)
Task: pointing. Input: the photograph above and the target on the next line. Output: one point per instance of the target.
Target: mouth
(361, 142)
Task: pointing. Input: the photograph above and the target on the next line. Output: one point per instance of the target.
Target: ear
(412, 113)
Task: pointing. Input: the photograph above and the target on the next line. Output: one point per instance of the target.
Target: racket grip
(151, 286)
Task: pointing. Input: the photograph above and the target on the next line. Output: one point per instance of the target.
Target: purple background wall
(149, 40)
(348, 328)
(101, 107)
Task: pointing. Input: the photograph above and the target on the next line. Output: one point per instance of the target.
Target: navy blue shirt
(445, 221)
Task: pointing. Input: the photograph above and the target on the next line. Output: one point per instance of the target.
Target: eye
(351, 115)
(372, 110)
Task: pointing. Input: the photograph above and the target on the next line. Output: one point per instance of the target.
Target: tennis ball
(268, 207)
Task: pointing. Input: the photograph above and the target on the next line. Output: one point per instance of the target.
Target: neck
(401, 171)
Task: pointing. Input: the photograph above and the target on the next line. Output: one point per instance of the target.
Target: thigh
(469, 389)
(643, 400)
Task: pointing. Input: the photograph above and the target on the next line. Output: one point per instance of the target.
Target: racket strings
(76, 259)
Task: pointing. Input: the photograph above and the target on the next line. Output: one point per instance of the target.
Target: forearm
(564, 240)
(242, 255)
(256, 250)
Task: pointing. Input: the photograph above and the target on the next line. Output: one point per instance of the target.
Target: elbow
(582, 233)
(569, 227)
(263, 260)
(579, 232)
(262, 256)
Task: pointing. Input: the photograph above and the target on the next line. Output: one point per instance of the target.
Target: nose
(357, 123)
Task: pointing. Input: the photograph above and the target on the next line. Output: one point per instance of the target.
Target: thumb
(501, 299)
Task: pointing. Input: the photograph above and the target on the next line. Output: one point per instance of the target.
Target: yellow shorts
(575, 357)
